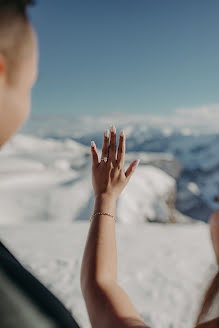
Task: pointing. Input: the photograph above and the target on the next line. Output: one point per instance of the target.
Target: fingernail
(137, 162)
(93, 144)
(113, 128)
(106, 133)
(122, 133)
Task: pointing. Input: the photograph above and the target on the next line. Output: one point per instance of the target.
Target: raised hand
(108, 177)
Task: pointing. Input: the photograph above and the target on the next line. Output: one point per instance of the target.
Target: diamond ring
(104, 159)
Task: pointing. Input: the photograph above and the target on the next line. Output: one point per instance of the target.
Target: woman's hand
(109, 178)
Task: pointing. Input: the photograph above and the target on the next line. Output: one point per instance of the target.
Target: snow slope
(165, 269)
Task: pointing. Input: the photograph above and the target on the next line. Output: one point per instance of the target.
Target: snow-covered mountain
(165, 269)
(46, 175)
(50, 180)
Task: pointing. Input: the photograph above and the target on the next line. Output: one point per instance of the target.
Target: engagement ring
(104, 159)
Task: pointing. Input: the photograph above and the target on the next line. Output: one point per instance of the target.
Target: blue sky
(129, 56)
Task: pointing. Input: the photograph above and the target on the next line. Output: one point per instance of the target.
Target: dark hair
(17, 6)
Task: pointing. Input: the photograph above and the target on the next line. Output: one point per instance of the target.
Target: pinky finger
(131, 168)
(94, 154)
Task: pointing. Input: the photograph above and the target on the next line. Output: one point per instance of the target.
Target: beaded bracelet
(103, 213)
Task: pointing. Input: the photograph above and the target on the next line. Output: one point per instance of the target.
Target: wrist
(105, 203)
(105, 197)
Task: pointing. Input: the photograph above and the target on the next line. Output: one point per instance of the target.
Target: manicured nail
(93, 144)
(113, 128)
(136, 162)
(122, 133)
(106, 133)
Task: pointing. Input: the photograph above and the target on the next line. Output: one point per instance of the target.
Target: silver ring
(104, 159)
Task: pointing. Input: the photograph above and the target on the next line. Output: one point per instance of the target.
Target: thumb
(130, 170)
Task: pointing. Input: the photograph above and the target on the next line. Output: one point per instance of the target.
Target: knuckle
(119, 166)
(109, 165)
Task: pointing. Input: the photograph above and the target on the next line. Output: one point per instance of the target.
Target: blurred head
(18, 65)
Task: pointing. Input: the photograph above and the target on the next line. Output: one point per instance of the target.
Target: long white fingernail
(106, 133)
(137, 162)
(122, 133)
(93, 144)
(113, 128)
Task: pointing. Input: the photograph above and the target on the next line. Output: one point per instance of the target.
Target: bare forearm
(100, 255)
(109, 306)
